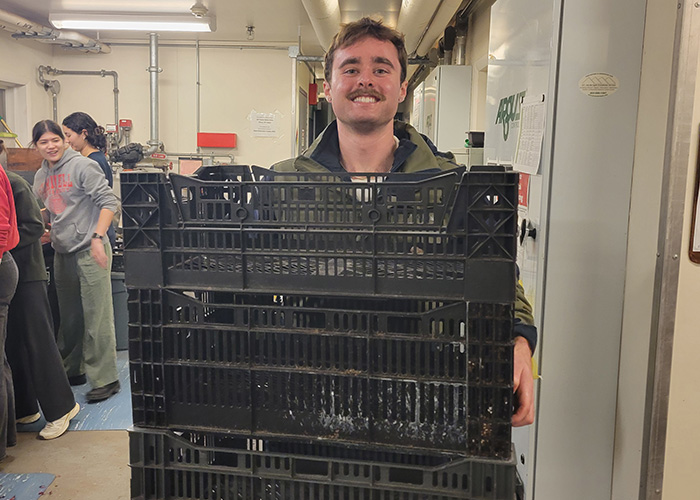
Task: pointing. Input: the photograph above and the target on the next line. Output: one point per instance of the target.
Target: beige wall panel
(27, 100)
(237, 82)
(234, 82)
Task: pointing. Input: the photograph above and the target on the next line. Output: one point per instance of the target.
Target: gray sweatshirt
(74, 191)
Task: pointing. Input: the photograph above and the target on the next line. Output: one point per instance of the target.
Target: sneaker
(102, 393)
(77, 379)
(29, 419)
(54, 429)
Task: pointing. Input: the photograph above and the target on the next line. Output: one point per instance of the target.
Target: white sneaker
(54, 429)
(29, 419)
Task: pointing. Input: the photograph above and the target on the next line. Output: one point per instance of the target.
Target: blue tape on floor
(112, 414)
(24, 486)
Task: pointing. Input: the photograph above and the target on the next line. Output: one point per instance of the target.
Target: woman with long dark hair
(85, 136)
(81, 206)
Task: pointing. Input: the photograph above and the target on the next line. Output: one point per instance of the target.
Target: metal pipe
(153, 69)
(197, 92)
(325, 19)
(41, 70)
(198, 155)
(13, 22)
(320, 59)
(311, 70)
(24, 28)
(54, 99)
(460, 50)
(52, 87)
(116, 106)
(294, 54)
(103, 73)
(203, 45)
(427, 26)
(442, 17)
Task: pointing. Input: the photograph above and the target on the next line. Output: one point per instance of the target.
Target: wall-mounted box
(446, 106)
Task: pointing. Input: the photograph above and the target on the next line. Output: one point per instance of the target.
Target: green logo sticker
(509, 111)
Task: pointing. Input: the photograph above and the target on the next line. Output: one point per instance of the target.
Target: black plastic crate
(446, 235)
(402, 372)
(199, 465)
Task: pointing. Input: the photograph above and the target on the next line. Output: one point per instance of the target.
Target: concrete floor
(87, 464)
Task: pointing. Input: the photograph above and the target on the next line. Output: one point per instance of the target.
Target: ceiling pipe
(325, 19)
(24, 28)
(441, 18)
(422, 29)
(202, 45)
(414, 21)
(74, 40)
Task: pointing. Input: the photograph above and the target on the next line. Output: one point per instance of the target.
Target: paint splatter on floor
(24, 486)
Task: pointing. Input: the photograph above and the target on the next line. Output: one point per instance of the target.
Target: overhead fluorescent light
(133, 22)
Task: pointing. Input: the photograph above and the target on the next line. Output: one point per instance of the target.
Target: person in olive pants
(81, 206)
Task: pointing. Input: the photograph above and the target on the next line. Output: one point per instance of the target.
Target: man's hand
(523, 383)
(97, 251)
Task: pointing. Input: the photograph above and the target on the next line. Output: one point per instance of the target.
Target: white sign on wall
(264, 124)
(530, 137)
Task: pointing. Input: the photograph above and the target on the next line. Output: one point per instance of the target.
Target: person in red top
(9, 237)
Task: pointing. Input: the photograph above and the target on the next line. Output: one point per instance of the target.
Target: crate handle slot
(304, 467)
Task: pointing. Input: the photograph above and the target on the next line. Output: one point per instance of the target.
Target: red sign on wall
(216, 140)
(523, 189)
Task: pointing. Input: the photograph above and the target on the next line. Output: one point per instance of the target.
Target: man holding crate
(365, 80)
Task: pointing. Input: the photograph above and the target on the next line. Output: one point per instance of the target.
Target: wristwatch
(96, 236)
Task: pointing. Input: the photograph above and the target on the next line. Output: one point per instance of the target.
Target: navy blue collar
(327, 152)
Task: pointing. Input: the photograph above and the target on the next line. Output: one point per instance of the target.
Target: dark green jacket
(27, 254)
(415, 153)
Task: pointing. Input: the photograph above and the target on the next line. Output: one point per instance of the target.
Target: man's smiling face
(365, 88)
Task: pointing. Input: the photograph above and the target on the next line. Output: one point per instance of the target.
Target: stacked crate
(308, 336)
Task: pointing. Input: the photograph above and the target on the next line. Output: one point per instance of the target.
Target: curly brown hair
(366, 27)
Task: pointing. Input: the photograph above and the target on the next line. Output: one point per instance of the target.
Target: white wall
(683, 433)
(27, 100)
(585, 237)
(237, 82)
(234, 82)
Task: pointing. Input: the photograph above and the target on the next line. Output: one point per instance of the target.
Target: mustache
(366, 93)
